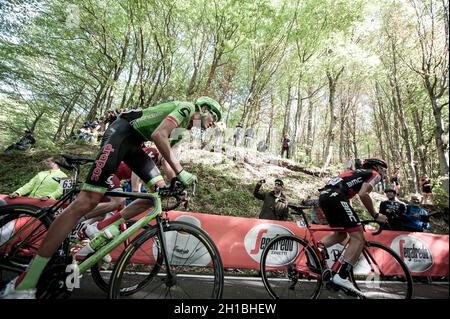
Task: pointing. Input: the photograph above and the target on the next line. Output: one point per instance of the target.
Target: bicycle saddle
(75, 160)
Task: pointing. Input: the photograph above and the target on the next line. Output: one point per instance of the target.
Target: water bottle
(103, 238)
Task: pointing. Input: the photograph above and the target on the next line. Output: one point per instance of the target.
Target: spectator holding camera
(394, 209)
(275, 206)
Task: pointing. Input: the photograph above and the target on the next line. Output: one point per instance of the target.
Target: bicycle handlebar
(175, 189)
(366, 222)
(298, 210)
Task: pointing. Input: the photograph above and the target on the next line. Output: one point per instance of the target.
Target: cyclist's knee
(357, 237)
(87, 201)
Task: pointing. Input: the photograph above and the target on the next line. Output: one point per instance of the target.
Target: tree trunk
(287, 111)
(272, 112)
(309, 137)
(332, 81)
(398, 105)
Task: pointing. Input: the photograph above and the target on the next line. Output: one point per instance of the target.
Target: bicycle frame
(98, 255)
(312, 242)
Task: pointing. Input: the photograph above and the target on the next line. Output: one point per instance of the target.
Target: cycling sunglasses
(214, 115)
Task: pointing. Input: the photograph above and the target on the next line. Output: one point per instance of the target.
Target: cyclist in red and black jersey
(335, 202)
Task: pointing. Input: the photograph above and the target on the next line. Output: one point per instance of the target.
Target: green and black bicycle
(166, 259)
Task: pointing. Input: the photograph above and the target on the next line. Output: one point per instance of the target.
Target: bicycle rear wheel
(381, 274)
(22, 228)
(290, 269)
(194, 261)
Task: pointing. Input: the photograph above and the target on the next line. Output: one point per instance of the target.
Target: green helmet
(212, 104)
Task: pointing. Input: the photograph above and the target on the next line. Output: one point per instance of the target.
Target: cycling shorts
(121, 142)
(337, 209)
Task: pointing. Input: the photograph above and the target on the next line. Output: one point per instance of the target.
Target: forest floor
(226, 181)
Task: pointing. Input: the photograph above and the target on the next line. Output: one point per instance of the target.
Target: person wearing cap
(417, 219)
(394, 209)
(275, 203)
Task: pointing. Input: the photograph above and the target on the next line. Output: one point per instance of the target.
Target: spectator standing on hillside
(275, 203)
(248, 138)
(348, 165)
(427, 192)
(237, 134)
(43, 186)
(395, 179)
(286, 145)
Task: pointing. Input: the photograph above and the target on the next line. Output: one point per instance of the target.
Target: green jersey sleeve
(181, 115)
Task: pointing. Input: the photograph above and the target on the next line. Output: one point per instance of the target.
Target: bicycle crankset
(52, 283)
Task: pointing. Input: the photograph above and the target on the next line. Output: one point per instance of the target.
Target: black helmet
(371, 162)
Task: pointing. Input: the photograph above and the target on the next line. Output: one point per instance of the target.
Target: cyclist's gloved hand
(186, 178)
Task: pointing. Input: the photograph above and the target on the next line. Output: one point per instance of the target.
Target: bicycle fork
(171, 279)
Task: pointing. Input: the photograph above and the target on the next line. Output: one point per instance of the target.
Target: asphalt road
(253, 288)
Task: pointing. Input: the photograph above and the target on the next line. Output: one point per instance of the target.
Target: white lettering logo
(354, 182)
(73, 280)
(414, 252)
(259, 236)
(349, 212)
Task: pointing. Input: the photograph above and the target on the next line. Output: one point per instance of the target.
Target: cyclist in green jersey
(121, 142)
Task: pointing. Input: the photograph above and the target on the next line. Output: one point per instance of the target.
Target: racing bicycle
(294, 267)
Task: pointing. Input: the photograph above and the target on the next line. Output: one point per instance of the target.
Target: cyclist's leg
(329, 203)
(146, 169)
(352, 225)
(108, 204)
(336, 237)
(106, 164)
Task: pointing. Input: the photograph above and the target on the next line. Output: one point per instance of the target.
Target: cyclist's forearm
(367, 201)
(162, 143)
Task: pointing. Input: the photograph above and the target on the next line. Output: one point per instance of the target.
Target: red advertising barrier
(241, 241)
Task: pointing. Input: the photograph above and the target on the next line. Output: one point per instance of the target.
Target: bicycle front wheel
(381, 274)
(22, 228)
(290, 269)
(195, 266)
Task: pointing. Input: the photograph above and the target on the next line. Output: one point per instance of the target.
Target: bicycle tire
(154, 270)
(102, 280)
(8, 258)
(376, 285)
(21, 231)
(292, 270)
